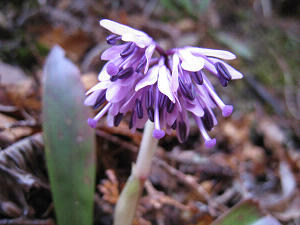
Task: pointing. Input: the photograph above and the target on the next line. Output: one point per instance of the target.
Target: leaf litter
(257, 156)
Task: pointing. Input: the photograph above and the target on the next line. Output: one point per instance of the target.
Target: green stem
(128, 200)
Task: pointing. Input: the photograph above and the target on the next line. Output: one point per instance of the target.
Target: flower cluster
(163, 89)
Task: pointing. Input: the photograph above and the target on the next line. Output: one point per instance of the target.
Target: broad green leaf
(245, 213)
(69, 141)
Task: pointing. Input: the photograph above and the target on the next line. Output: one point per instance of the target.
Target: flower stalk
(128, 200)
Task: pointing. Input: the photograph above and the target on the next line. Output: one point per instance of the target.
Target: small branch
(25, 221)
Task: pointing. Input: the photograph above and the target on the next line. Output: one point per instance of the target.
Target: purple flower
(163, 89)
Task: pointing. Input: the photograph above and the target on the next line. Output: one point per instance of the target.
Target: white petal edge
(222, 54)
(189, 61)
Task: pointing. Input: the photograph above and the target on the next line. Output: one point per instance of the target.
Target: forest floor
(257, 155)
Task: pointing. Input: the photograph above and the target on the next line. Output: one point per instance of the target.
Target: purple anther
(174, 125)
(131, 120)
(197, 77)
(170, 106)
(182, 131)
(222, 70)
(139, 108)
(100, 100)
(129, 48)
(112, 39)
(125, 73)
(114, 78)
(141, 64)
(149, 98)
(162, 101)
(207, 120)
(188, 91)
(223, 81)
(150, 112)
(117, 119)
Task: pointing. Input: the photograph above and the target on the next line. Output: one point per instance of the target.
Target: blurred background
(258, 147)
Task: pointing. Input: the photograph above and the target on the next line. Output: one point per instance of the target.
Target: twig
(158, 199)
(6, 108)
(25, 221)
(191, 182)
(116, 140)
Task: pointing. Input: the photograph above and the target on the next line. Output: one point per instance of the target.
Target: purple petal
(171, 117)
(212, 53)
(129, 103)
(111, 68)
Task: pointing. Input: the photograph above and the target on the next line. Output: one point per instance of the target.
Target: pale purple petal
(171, 117)
(149, 79)
(128, 105)
(212, 53)
(189, 61)
(141, 40)
(141, 122)
(174, 78)
(148, 53)
(194, 108)
(115, 27)
(127, 33)
(163, 83)
(103, 75)
(116, 93)
(100, 86)
(91, 99)
(112, 52)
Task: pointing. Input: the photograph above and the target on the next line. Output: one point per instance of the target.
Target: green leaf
(69, 141)
(245, 213)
